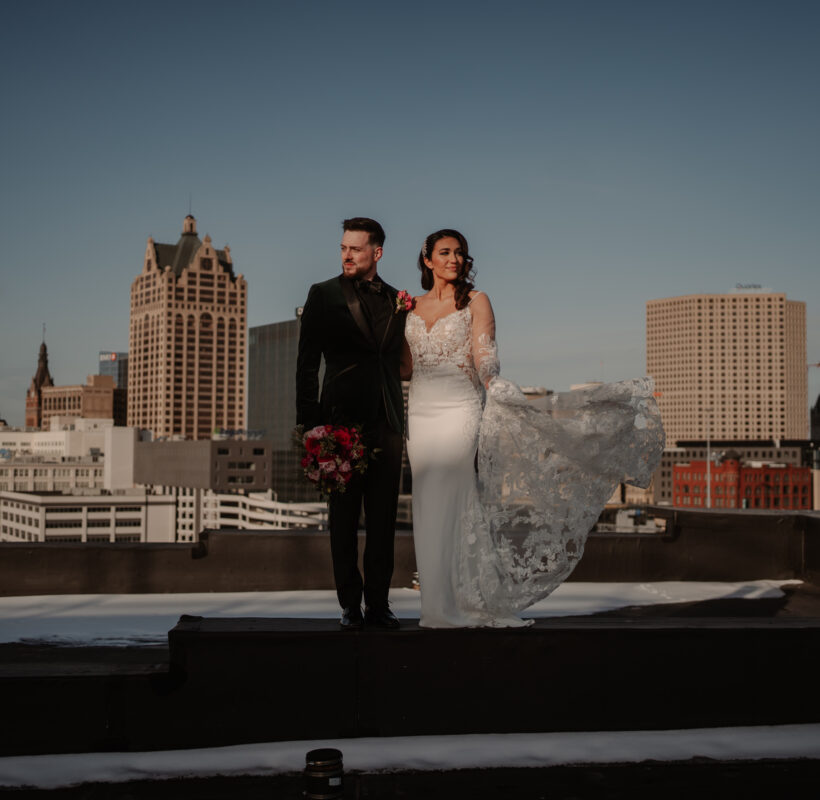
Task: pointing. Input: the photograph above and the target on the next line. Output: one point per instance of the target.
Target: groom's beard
(354, 270)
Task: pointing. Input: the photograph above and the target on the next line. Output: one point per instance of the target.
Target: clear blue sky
(596, 154)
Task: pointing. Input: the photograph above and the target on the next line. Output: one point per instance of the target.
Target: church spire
(42, 378)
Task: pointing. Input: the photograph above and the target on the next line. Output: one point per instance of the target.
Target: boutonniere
(404, 301)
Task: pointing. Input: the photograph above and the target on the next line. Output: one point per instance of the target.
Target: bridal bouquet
(332, 454)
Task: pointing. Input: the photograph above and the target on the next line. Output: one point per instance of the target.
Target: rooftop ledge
(697, 546)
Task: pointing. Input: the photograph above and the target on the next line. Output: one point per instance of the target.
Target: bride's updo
(464, 282)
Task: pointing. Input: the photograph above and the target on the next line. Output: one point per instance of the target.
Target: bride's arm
(406, 363)
(485, 351)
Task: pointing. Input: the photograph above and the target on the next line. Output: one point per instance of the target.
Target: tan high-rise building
(187, 347)
(729, 366)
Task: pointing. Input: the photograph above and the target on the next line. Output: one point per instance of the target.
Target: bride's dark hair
(464, 282)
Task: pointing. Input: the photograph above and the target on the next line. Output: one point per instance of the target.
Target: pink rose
(404, 301)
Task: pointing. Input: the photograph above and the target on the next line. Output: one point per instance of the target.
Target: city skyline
(596, 155)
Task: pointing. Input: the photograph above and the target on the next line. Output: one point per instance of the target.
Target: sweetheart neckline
(430, 329)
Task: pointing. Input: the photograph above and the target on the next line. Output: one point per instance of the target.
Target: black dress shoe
(380, 618)
(351, 618)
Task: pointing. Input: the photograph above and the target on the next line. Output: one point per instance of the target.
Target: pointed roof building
(180, 255)
(187, 340)
(34, 397)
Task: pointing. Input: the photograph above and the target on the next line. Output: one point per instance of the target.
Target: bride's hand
(406, 363)
(507, 392)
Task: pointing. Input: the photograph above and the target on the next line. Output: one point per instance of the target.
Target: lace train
(544, 478)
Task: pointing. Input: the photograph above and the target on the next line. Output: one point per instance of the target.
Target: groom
(352, 321)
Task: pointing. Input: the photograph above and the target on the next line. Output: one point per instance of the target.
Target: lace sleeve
(485, 350)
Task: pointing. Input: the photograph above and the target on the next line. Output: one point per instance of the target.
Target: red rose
(332, 454)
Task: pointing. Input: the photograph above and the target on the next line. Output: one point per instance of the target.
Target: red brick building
(99, 398)
(742, 484)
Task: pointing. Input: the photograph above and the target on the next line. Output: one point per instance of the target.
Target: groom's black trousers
(378, 487)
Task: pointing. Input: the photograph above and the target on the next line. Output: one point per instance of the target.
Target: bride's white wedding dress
(489, 545)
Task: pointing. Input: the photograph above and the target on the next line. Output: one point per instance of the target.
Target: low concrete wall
(234, 681)
(224, 561)
(705, 546)
(717, 546)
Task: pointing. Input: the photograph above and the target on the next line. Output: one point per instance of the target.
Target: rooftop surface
(719, 672)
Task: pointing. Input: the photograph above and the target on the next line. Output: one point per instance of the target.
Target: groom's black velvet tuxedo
(360, 336)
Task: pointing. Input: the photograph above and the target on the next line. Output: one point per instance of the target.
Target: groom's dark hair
(370, 226)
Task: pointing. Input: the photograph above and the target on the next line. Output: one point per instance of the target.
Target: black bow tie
(376, 287)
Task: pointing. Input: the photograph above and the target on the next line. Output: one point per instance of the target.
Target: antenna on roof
(189, 203)
(44, 332)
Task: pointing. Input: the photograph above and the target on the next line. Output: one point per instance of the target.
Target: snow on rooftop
(420, 753)
(145, 619)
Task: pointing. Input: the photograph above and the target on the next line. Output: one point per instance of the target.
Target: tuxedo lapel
(355, 306)
(391, 293)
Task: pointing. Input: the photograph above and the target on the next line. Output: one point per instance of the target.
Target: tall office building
(272, 352)
(729, 366)
(186, 361)
(115, 365)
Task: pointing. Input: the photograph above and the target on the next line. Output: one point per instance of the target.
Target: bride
(504, 494)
